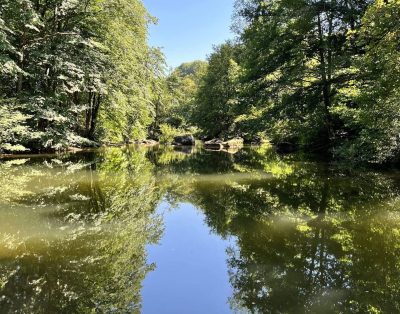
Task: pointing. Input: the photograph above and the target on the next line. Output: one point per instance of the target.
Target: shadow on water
(309, 236)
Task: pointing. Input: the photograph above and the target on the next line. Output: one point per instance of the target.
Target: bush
(168, 133)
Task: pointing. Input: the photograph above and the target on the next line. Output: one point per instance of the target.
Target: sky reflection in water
(158, 230)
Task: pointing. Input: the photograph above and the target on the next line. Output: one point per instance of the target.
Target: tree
(297, 55)
(134, 74)
(216, 99)
(183, 84)
(77, 71)
(372, 120)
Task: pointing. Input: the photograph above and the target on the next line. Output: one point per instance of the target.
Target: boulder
(231, 150)
(215, 144)
(184, 140)
(234, 143)
(184, 149)
(73, 149)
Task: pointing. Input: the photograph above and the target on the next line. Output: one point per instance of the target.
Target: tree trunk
(88, 114)
(326, 82)
(20, 79)
(94, 115)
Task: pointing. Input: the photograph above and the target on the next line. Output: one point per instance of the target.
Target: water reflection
(75, 233)
(314, 239)
(309, 236)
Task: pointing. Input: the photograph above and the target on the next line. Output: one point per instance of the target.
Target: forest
(322, 76)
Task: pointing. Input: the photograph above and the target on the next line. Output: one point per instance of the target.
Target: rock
(109, 144)
(234, 143)
(184, 149)
(184, 140)
(215, 144)
(232, 150)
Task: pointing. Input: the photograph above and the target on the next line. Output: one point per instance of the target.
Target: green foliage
(168, 133)
(183, 84)
(323, 75)
(216, 99)
(320, 74)
(13, 129)
(79, 70)
(129, 106)
(374, 120)
(297, 55)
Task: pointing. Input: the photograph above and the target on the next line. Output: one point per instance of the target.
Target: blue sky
(188, 29)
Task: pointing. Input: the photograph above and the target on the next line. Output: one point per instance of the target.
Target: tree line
(74, 72)
(322, 75)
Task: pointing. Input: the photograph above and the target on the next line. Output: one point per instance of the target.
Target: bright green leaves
(374, 114)
(322, 74)
(182, 86)
(81, 70)
(13, 127)
(133, 73)
(216, 99)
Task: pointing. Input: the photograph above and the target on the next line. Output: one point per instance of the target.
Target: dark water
(138, 230)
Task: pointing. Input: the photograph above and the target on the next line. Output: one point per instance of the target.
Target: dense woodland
(321, 75)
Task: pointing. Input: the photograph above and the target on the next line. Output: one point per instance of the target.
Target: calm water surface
(158, 230)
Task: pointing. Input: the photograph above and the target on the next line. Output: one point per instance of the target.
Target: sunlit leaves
(70, 62)
(216, 100)
(373, 116)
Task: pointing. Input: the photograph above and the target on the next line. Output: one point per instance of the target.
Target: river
(164, 230)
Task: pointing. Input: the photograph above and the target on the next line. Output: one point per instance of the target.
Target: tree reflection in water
(87, 250)
(310, 236)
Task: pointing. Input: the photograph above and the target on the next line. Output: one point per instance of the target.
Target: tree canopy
(75, 71)
(322, 75)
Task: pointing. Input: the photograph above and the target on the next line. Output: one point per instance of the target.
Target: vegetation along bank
(319, 75)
